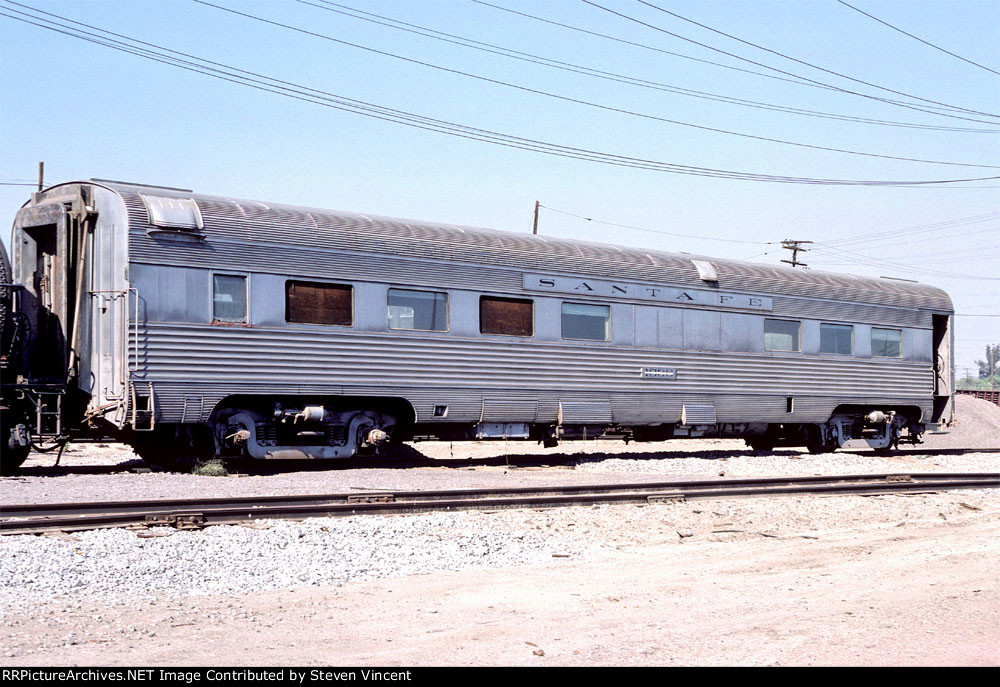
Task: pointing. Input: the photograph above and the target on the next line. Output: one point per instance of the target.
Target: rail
(193, 514)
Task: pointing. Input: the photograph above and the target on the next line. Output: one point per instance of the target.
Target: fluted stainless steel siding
(698, 414)
(510, 408)
(531, 380)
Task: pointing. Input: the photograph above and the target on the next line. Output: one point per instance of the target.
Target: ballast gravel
(121, 565)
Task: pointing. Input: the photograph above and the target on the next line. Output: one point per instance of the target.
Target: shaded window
(507, 316)
(229, 298)
(781, 335)
(319, 303)
(836, 338)
(887, 343)
(423, 310)
(584, 321)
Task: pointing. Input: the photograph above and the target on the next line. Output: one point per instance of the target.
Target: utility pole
(795, 247)
(41, 175)
(534, 227)
(993, 376)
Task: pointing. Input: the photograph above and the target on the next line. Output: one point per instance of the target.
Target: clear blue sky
(89, 111)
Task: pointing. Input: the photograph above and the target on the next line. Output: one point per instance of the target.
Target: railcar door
(41, 265)
(51, 252)
(944, 370)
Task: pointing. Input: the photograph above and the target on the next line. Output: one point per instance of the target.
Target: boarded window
(506, 316)
(422, 310)
(836, 338)
(887, 343)
(781, 335)
(229, 298)
(318, 303)
(584, 321)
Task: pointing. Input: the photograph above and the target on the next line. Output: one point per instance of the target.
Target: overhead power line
(922, 108)
(917, 38)
(790, 78)
(579, 101)
(934, 260)
(654, 231)
(453, 39)
(907, 231)
(807, 64)
(795, 246)
(980, 252)
(295, 91)
(645, 46)
(877, 262)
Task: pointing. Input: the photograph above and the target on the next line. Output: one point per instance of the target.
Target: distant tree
(992, 357)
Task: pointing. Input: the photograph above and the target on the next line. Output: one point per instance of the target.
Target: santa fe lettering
(663, 294)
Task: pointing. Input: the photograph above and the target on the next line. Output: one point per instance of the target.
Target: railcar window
(229, 298)
(319, 303)
(585, 321)
(836, 338)
(506, 316)
(423, 310)
(781, 335)
(887, 343)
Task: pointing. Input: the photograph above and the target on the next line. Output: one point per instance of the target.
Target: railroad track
(513, 460)
(193, 514)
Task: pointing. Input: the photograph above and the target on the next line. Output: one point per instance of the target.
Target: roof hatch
(173, 213)
(706, 270)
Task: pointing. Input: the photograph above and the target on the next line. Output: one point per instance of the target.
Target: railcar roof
(280, 224)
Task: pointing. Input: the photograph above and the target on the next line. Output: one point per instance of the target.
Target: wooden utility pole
(993, 369)
(795, 247)
(41, 175)
(534, 227)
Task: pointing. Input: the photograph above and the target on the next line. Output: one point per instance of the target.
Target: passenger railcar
(195, 325)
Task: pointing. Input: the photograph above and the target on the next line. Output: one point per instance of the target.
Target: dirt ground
(906, 581)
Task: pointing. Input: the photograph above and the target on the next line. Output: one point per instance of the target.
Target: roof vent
(173, 213)
(706, 270)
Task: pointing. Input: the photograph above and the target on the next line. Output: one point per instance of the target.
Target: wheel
(12, 458)
(760, 444)
(177, 448)
(167, 456)
(814, 441)
(13, 453)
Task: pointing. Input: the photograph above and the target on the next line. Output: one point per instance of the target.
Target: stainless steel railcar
(195, 325)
